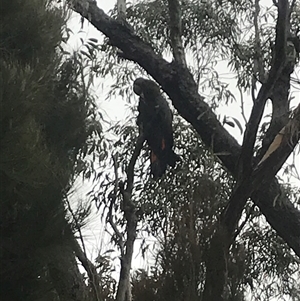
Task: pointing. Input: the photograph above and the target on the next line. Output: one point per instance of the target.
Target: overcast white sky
(114, 109)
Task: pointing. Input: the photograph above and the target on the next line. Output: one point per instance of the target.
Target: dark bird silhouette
(155, 123)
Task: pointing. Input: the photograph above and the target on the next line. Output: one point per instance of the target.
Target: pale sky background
(114, 109)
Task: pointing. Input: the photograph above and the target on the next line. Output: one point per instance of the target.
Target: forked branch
(216, 257)
(266, 89)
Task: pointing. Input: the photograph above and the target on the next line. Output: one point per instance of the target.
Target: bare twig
(242, 105)
(176, 31)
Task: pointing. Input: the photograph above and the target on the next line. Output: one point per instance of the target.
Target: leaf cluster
(47, 117)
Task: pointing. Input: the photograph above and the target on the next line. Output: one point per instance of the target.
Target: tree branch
(216, 257)
(266, 90)
(90, 269)
(113, 198)
(178, 83)
(121, 8)
(176, 31)
(124, 287)
(82, 256)
(258, 55)
(280, 106)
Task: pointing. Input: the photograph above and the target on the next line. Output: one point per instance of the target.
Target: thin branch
(242, 225)
(242, 105)
(78, 228)
(90, 269)
(292, 6)
(176, 31)
(128, 207)
(258, 53)
(121, 9)
(81, 254)
(113, 198)
(253, 88)
(124, 287)
(130, 169)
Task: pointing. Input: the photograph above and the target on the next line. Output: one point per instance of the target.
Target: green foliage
(105, 270)
(204, 22)
(47, 118)
(35, 32)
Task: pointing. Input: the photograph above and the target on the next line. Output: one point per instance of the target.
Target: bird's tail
(164, 158)
(170, 157)
(158, 166)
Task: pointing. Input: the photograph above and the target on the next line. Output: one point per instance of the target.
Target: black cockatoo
(155, 122)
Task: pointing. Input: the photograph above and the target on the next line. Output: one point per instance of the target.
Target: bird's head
(138, 86)
(146, 88)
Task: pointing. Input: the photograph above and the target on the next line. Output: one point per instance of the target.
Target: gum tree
(262, 48)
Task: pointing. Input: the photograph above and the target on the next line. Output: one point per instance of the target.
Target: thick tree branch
(264, 172)
(280, 101)
(178, 83)
(266, 90)
(169, 75)
(176, 31)
(216, 257)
